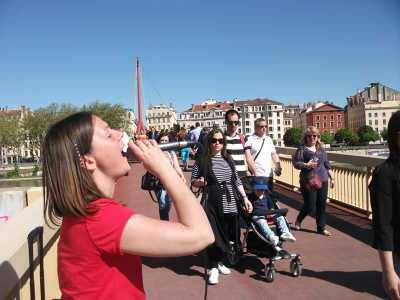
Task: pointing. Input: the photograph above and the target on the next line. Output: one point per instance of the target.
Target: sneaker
(213, 275)
(288, 236)
(223, 269)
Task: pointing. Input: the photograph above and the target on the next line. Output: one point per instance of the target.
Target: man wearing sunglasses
(265, 160)
(235, 143)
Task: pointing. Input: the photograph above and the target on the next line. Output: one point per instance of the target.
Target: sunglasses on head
(214, 141)
(313, 135)
(232, 123)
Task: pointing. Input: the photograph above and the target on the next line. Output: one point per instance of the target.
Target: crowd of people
(112, 237)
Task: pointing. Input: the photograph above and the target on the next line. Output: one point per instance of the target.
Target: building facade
(272, 111)
(208, 113)
(327, 117)
(161, 117)
(372, 106)
(291, 116)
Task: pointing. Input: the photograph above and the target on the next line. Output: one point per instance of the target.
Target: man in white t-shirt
(265, 159)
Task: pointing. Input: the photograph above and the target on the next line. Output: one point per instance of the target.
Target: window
(279, 128)
(376, 122)
(370, 122)
(384, 121)
(370, 115)
(331, 124)
(262, 115)
(279, 135)
(279, 121)
(338, 117)
(247, 130)
(269, 122)
(324, 117)
(247, 123)
(324, 125)
(270, 114)
(317, 118)
(277, 114)
(271, 136)
(247, 116)
(270, 129)
(317, 125)
(383, 114)
(332, 117)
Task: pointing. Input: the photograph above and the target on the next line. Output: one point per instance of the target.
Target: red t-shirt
(90, 263)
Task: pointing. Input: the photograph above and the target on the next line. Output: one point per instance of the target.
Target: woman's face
(164, 139)
(312, 138)
(217, 143)
(107, 150)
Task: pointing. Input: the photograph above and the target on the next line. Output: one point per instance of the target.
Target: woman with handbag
(164, 201)
(223, 194)
(312, 160)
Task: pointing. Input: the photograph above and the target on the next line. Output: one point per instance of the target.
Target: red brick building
(325, 116)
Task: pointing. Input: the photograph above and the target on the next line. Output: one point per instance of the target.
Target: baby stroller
(256, 243)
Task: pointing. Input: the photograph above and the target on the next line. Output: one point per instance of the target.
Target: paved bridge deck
(343, 266)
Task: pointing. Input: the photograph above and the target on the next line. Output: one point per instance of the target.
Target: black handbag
(150, 182)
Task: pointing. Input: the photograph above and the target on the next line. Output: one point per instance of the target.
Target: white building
(209, 113)
(161, 117)
(272, 111)
(372, 106)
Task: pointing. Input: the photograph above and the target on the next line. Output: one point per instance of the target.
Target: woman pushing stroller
(224, 193)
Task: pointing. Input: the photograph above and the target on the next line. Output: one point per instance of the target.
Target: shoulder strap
(259, 151)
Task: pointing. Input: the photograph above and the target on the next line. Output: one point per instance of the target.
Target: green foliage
(14, 173)
(115, 115)
(367, 134)
(346, 136)
(384, 134)
(293, 137)
(326, 137)
(35, 170)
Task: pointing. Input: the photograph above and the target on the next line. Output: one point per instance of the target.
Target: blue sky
(292, 51)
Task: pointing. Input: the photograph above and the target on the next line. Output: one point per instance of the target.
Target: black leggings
(315, 198)
(214, 253)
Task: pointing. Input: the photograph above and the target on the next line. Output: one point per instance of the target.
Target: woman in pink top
(101, 240)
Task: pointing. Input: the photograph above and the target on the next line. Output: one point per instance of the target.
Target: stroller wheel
(269, 273)
(295, 267)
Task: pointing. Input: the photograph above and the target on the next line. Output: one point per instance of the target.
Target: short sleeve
(247, 143)
(106, 225)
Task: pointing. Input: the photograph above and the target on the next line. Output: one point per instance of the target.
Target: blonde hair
(309, 131)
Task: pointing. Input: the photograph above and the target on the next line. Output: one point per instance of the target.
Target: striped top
(223, 173)
(235, 149)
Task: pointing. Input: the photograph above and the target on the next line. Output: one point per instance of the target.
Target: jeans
(164, 204)
(262, 223)
(315, 198)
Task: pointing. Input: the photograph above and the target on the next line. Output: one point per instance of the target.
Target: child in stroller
(260, 238)
(262, 205)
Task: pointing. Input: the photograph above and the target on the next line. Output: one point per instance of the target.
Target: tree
(326, 137)
(10, 135)
(384, 134)
(293, 137)
(367, 134)
(36, 124)
(115, 115)
(346, 136)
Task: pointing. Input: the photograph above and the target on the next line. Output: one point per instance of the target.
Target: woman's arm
(390, 280)
(150, 237)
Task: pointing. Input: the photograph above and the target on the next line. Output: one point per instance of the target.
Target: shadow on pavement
(357, 227)
(179, 265)
(359, 281)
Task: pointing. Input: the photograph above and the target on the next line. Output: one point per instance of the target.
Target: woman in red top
(101, 240)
